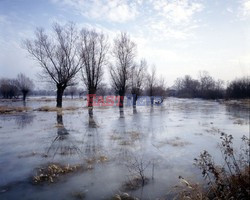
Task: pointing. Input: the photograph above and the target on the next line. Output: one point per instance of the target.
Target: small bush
(229, 181)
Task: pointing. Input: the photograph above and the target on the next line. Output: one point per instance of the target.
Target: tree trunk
(91, 94)
(59, 118)
(24, 96)
(61, 130)
(121, 98)
(152, 100)
(59, 96)
(134, 99)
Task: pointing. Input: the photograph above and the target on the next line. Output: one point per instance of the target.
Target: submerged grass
(55, 109)
(99, 159)
(135, 183)
(11, 110)
(244, 103)
(175, 142)
(53, 171)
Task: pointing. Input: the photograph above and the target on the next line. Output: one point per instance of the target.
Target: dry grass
(55, 109)
(213, 131)
(48, 109)
(134, 135)
(125, 143)
(42, 99)
(189, 191)
(94, 160)
(240, 122)
(11, 110)
(53, 171)
(115, 137)
(59, 125)
(175, 142)
(135, 183)
(229, 181)
(245, 103)
(27, 155)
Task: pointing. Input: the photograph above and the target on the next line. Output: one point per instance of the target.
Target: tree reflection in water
(92, 123)
(24, 119)
(121, 112)
(63, 143)
(92, 143)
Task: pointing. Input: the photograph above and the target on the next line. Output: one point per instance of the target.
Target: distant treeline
(13, 88)
(207, 87)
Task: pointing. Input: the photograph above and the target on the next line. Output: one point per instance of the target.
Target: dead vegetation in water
(213, 130)
(55, 109)
(11, 110)
(188, 190)
(198, 134)
(52, 172)
(27, 155)
(133, 136)
(125, 143)
(99, 159)
(244, 103)
(123, 196)
(115, 137)
(175, 142)
(44, 99)
(135, 183)
(137, 166)
(239, 122)
(231, 180)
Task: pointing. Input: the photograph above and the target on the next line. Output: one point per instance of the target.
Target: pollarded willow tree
(93, 51)
(124, 52)
(24, 84)
(138, 75)
(57, 54)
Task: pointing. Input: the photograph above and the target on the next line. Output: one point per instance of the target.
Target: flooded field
(104, 154)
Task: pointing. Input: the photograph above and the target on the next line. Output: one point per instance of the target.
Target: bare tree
(151, 84)
(57, 55)
(72, 90)
(24, 84)
(94, 48)
(207, 83)
(161, 89)
(138, 73)
(124, 51)
(8, 88)
(187, 87)
(137, 168)
(209, 87)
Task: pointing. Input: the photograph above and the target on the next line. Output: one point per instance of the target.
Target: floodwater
(165, 138)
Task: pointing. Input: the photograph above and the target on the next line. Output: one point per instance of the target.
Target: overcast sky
(178, 36)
